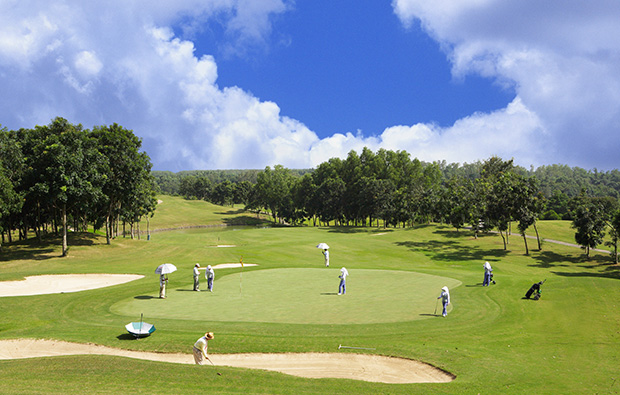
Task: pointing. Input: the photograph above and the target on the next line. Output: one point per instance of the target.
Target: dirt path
(371, 368)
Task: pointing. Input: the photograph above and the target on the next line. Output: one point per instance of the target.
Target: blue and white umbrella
(140, 329)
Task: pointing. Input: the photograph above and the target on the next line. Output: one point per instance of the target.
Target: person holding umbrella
(210, 275)
(342, 288)
(445, 300)
(325, 249)
(163, 280)
(200, 348)
(163, 270)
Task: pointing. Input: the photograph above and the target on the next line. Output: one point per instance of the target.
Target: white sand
(62, 283)
(371, 368)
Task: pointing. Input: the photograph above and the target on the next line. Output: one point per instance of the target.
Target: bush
(551, 215)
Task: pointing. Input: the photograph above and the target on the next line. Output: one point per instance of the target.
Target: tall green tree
(589, 222)
(129, 185)
(614, 233)
(67, 167)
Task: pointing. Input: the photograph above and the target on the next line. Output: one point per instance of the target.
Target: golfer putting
(445, 300)
(342, 288)
(200, 348)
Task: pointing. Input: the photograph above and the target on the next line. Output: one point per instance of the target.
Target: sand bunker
(371, 368)
(225, 245)
(232, 265)
(62, 283)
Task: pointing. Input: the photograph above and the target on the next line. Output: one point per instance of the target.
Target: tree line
(62, 176)
(391, 189)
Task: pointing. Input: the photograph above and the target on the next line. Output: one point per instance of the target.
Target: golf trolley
(535, 290)
(491, 281)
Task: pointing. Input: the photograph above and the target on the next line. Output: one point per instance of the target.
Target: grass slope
(493, 340)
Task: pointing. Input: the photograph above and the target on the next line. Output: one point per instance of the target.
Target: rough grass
(493, 341)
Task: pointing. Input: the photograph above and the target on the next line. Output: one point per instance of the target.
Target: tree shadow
(452, 251)
(49, 246)
(231, 212)
(244, 220)
(352, 229)
(549, 259)
(609, 272)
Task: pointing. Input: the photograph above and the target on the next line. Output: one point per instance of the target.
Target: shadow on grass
(144, 297)
(245, 220)
(611, 271)
(126, 336)
(49, 246)
(352, 229)
(549, 259)
(452, 251)
(231, 212)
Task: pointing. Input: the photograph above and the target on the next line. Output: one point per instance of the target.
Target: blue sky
(339, 67)
(217, 84)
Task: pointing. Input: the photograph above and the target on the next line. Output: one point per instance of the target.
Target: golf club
(436, 303)
(355, 348)
(218, 373)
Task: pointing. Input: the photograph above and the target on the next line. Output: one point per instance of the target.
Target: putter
(218, 373)
(436, 302)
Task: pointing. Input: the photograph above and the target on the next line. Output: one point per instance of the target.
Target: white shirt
(196, 271)
(201, 344)
(343, 273)
(209, 273)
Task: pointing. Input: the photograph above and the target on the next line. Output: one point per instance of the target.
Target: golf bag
(491, 281)
(534, 289)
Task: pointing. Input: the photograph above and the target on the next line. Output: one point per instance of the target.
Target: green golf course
(493, 340)
(301, 296)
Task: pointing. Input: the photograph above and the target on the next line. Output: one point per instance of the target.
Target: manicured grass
(493, 340)
(177, 212)
(301, 296)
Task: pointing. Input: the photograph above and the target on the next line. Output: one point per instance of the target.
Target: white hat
(197, 265)
(444, 289)
(209, 267)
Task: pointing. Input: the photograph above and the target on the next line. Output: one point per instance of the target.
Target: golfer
(342, 288)
(163, 280)
(445, 300)
(200, 348)
(210, 275)
(326, 253)
(487, 274)
(197, 277)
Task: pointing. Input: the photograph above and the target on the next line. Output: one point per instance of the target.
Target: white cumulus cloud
(102, 62)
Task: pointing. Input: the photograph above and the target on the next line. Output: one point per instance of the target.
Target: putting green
(299, 296)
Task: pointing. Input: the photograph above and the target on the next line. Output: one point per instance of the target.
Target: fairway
(300, 296)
